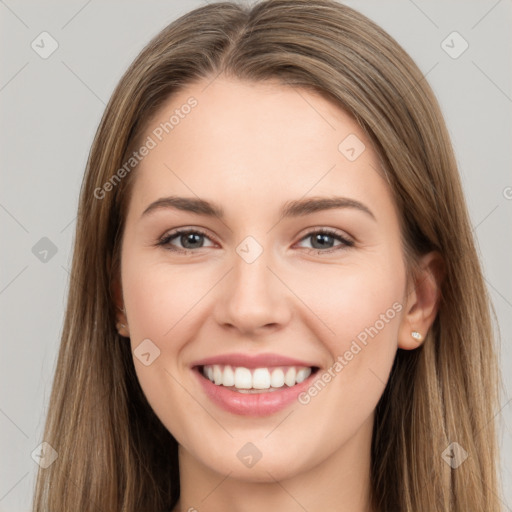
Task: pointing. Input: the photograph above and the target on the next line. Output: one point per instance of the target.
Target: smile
(253, 385)
(256, 380)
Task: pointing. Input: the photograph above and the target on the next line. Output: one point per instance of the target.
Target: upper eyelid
(183, 231)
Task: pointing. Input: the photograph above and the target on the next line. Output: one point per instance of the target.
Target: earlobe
(122, 329)
(121, 319)
(422, 302)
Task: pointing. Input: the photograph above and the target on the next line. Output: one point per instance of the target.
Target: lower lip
(252, 404)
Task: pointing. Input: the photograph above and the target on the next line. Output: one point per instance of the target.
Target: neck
(340, 482)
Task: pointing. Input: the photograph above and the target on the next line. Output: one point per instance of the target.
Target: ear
(422, 301)
(117, 294)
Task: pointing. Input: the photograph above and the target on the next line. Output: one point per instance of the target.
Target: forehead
(255, 141)
(255, 112)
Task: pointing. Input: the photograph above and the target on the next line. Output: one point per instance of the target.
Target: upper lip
(252, 361)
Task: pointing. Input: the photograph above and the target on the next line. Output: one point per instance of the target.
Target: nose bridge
(251, 274)
(254, 297)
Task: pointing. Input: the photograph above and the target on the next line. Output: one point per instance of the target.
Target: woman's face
(253, 298)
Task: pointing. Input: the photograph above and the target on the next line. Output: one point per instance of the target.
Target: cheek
(162, 302)
(349, 299)
(368, 308)
(157, 297)
(359, 308)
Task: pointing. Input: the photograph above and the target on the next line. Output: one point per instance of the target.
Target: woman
(327, 344)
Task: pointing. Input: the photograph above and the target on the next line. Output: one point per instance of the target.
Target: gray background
(50, 109)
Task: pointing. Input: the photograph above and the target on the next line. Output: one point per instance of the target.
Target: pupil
(321, 238)
(189, 238)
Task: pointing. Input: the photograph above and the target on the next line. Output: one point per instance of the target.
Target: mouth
(259, 391)
(256, 380)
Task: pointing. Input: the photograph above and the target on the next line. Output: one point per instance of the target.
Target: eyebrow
(294, 208)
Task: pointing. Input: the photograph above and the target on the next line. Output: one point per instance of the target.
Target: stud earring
(120, 325)
(416, 335)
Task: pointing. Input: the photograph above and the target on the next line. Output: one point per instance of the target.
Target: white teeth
(260, 378)
(277, 379)
(228, 377)
(303, 374)
(243, 378)
(289, 378)
(217, 375)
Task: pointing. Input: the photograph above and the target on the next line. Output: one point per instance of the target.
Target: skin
(250, 147)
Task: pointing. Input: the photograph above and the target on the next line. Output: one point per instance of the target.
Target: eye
(189, 238)
(322, 238)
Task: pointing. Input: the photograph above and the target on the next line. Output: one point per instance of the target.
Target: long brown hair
(113, 452)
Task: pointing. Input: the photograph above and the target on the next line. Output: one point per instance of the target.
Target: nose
(254, 298)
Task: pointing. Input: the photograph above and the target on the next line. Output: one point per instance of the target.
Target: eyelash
(165, 240)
